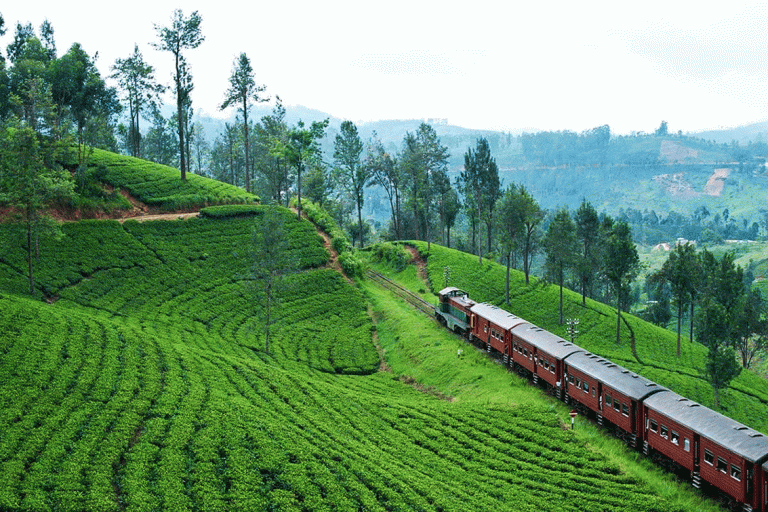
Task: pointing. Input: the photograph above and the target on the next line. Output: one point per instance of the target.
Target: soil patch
(421, 264)
(716, 182)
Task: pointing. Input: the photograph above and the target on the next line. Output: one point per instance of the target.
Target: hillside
(117, 186)
(144, 384)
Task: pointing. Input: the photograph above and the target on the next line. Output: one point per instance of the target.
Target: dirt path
(333, 261)
(421, 265)
(162, 216)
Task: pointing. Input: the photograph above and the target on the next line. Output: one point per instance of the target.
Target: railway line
(413, 299)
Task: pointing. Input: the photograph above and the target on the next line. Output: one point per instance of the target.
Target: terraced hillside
(143, 384)
(120, 185)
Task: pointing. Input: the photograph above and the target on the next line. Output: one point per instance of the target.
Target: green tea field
(142, 383)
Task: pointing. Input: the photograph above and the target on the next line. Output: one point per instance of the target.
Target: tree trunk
(560, 275)
(618, 316)
(298, 188)
(360, 223)
(268, 314)
(509, 261)
(679, 326)
(29, 255)
(180, 121)
(691, 333)
(247, 155)
(489, 225)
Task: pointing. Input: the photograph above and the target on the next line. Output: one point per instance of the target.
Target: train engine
(455, 310)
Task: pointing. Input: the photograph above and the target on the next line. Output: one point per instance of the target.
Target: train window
(552, 367)
(687, 444)
(654, 426)
(578, 383)
(594, 390)
(675, 438)
(586, 386)
(570, 379)
(722, 465)
(736, 472)
(617, 405)
(485, 329)
(709, 457)
(664, 432)
(624, 410)
(525, 352)
(608, 400)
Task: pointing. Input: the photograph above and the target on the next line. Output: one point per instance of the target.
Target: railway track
(413, 299)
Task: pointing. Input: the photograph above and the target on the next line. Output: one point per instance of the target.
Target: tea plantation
(142, 383)
(158, 186)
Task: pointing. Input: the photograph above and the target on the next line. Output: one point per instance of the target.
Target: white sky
(482, 64)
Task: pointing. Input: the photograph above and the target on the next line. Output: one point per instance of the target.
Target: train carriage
(492, 326)
(715, 448)
(613, 393)
(546, 353)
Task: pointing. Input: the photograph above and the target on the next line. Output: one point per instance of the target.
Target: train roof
(622, 380)
(496, 315)
(729, 433)
(546, 341)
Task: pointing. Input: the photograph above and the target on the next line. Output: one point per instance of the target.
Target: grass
(159, 186)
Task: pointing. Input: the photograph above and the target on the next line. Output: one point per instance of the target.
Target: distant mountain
(756, 132)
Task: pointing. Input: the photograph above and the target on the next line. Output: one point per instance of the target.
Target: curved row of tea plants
(160, 186)
(104, 414)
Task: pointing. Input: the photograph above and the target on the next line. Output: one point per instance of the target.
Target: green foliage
(231, 210)
(325, 222)
(393, 254)
(159, 186)
(145, 386)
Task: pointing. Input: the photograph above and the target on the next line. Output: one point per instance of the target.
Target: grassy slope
(744, 401)
(159, 186)
(146, 386)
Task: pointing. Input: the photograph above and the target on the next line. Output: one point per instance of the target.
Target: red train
(714, 449)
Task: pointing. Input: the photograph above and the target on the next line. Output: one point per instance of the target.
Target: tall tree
(353, 175)
(28, 181)
(561, 247)
(386, 173)
(302, 146)
(481, 187)
(272, 142)
(621, 265)
(751, 329)
(681, 271)
(509, 226)
(531, 215)
(23, 34)
(713, 327)
(242, 92)
(587, 233)
(271, 262)
(136, 78)
(424, 158)
(78, 85)
(183, 34)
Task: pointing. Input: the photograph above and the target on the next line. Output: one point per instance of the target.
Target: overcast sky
(483, 64)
